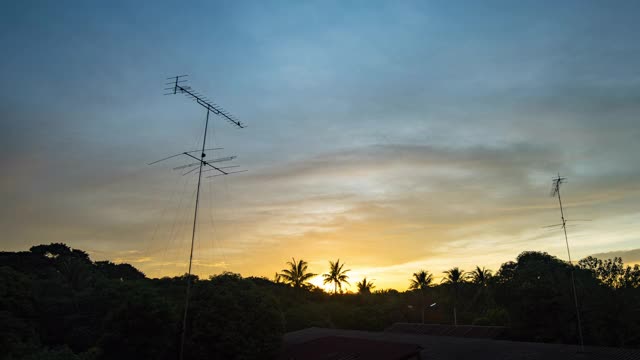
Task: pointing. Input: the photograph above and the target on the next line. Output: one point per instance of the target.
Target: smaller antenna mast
(555, 191)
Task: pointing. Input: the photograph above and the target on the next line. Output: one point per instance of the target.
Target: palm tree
(480, 276)
(421, 281)
(365, 287)
(336, 275)
(455, 277)
(296, 274)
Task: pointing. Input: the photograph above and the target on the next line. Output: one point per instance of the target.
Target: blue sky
(394, 135)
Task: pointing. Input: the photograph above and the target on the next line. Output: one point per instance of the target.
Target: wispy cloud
(628, 256)
(415, 145)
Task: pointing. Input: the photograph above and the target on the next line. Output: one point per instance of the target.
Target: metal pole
(193, 236)
(573, 281)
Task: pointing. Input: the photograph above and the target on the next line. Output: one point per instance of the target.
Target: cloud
(422, 144)
(377, 206)
(628, 256)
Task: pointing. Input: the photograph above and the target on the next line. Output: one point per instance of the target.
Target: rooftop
(315, 343)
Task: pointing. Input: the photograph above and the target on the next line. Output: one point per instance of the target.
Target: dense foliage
(55, 303)
(531, 296)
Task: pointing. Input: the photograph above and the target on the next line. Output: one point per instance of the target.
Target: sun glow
(318, 281)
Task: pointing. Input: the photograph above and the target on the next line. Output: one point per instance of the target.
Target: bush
(231, 318)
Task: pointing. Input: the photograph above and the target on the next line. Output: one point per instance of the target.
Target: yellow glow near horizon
(382, 222)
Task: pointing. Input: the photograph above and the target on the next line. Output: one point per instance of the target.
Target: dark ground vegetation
(56, 303)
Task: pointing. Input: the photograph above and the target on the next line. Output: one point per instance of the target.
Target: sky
(394, 136)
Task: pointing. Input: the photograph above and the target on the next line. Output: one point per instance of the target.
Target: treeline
(531, 296)
(55, 303)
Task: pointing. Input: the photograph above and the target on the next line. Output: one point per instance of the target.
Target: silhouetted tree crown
(421, 280)
(336, 275)
(296, 274)
(480, 276)
(365, 287)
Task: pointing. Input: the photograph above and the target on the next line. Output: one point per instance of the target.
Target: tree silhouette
(421, 281)
(277, 278)
(336, 275)
(56, 303)
(365, 287)
(296, 274)
(120, 272)
(480, 276)
(612, 272)
(454, 278)
(55, 250)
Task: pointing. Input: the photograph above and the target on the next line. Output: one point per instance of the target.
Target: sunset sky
(395, 136)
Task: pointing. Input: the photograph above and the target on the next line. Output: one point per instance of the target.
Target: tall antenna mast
(178, 86)
(555, 191)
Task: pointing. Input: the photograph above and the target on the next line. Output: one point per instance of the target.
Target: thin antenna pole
(176, 82)
(573, 281)
(193, 236)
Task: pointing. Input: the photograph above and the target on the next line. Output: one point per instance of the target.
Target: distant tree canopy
(56, 303)
(612, 272)
(56, 250)
(118, 271)
(536, 291)
(232, 308)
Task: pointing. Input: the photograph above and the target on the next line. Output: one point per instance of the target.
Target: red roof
(346, 348)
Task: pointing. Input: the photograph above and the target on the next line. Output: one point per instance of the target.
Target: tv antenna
(555, 191)
(178, 87)
(198, 163)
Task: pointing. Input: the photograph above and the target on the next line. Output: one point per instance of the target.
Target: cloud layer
(428, 142)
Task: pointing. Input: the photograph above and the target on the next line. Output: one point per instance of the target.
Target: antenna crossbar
(228, 158)
(207, 164)
(182, 153)
(202, 101)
